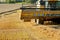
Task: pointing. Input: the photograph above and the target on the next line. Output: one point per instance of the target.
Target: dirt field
(8, 7)
(12, 28)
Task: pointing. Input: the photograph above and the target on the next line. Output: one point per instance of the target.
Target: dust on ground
(12, 28)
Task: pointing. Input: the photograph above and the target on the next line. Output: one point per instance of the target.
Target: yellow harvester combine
(43, 10)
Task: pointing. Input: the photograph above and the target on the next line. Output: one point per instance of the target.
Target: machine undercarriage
(42, 11)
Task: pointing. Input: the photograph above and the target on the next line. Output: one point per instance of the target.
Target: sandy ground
(8, 7)
(12, 28)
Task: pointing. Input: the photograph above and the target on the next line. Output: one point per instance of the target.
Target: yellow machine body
(31, 13)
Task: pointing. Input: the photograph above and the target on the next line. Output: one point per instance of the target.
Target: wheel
(41, 21)
(56, 20)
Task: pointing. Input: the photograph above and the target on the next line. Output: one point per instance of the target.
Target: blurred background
(17, 1)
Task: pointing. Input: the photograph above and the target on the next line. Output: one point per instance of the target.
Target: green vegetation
(30, 1)
(18, 1)
(8, 1)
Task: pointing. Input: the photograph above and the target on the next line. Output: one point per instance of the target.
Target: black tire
(35, 20)
(41, 21)
(56, 20)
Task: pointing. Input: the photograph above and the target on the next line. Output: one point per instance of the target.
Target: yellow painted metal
(36, 14)
(30, 14)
